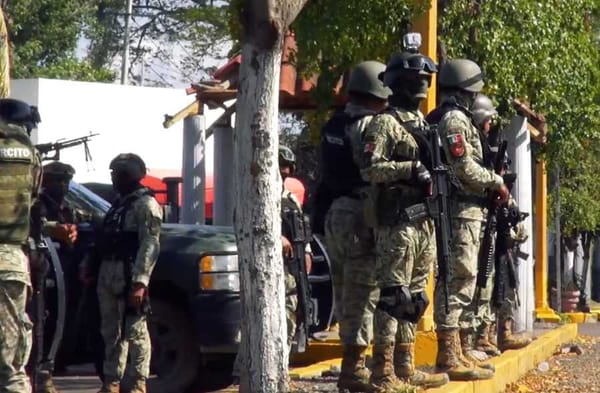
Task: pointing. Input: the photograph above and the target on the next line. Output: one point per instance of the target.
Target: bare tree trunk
(257, 219)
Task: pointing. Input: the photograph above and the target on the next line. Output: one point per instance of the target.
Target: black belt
(476, 200)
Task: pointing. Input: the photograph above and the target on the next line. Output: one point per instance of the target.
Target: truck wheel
(175, 360)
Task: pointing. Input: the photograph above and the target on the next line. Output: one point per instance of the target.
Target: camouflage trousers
(473, 315)
(291, 305)
(351, 247)
(464, 250)
(405, 255)
(509, 300)
(136, 339)
(15, 337)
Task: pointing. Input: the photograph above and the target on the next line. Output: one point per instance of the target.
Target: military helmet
(365, 79)
(401, 62)
(461, 74)
(286, 155)
(18, 112)
(482, 109)
(129, 163)
(59, 169)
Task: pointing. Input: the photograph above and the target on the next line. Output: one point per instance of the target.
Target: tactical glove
(420, 174)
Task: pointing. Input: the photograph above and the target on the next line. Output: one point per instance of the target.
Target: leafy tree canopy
(544, 52)
(43, 37)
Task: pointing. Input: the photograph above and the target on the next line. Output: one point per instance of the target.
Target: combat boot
(468, 352)
(354, 376)
(507, 340)
(112, 387)
(383, 379)
(44, 383)
(482, 341)
(493, 334)
(139, 386)
(449, 359)
(404, 365)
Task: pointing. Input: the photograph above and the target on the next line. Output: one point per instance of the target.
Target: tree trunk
(257, 220)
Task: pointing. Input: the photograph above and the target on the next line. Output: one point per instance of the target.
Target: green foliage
(334, 35)
(544, 52)
(43, 37)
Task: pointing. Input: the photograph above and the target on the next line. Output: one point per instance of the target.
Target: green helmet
(403, 63)
(59, 169)
(286, 155)
(482, 109)
(129, 163)
(364, 79)
(461, 74)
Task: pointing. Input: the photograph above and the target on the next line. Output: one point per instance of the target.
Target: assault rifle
(507, 249)
(486, 252)
(306, 314)
(437, 205)
(56, 147)
(38, 259)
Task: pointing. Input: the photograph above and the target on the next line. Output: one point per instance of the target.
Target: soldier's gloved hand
(420, 174)
(136, 295)
(502, 195)
(288, 250)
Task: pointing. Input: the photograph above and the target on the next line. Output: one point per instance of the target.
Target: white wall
(128, 119)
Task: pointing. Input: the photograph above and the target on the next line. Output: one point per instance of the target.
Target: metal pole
(426, 24)
(519, 148)
(557, 241)
(223, 172)
(125, 63)
(193, 170)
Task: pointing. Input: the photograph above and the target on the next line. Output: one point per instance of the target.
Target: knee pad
(395, 301)
(420, 301)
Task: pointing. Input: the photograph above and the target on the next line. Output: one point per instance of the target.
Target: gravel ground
(574, 369)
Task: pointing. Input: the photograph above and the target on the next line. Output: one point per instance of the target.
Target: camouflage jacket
(144, 216)
(389, 151)
(463, 148)
(356, 130)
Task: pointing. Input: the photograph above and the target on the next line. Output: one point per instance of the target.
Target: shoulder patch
(456, 145)
(369, 147)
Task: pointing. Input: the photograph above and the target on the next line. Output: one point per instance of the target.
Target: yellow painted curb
(580, 317)
(510, 366)
(322, 351)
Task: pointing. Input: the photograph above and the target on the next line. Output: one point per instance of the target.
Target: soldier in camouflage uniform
(477, 323)
(130, 250)
(350, 241)
(460, 80)
(405, 244)
(20, 175)
(485, 331)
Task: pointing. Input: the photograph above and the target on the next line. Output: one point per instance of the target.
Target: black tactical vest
(116, 241)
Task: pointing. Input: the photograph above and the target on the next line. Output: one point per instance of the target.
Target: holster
(396, 206)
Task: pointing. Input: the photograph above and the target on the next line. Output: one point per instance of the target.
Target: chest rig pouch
(404, 201)
(17, 160)
(117, 243)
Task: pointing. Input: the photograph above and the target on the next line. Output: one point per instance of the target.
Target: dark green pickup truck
(194, 297)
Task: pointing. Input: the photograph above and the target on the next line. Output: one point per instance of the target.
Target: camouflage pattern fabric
(351, 247)
(144, 217)
(473, 316)
(15, 326)
(462, 145)
(404, 252)
(405, 256)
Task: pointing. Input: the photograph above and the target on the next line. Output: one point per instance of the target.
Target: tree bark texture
(257, 220)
